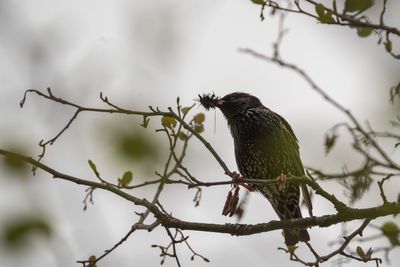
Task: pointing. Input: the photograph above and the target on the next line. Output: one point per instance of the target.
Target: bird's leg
(236, 180)
(281, 179)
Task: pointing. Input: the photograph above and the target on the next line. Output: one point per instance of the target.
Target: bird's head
(231, 105)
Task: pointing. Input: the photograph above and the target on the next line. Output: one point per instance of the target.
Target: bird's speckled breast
(259, 150)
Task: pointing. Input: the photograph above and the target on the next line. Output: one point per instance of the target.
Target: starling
(265, 148)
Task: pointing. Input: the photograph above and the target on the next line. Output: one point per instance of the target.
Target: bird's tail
(293, 236)
(287, 207)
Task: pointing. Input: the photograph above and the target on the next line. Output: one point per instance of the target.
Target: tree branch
(347, 214)
(314, 86)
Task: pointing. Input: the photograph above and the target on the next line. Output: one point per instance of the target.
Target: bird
(265, 148)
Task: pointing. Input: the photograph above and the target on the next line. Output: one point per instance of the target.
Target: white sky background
(149, 52)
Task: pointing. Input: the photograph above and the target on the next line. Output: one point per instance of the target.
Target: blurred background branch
(173, 124)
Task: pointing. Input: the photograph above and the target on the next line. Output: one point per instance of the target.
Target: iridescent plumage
(265, 148)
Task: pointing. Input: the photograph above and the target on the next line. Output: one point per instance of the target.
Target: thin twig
(329, 99)
(234, 229)
(380, 185)
(173, 246)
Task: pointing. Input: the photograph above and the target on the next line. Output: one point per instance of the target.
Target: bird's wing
(292, 147)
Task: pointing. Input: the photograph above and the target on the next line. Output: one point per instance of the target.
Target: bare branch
(346, 242)
(352, 21)
(302, 73)
(380, 184)
(346, 214)
(173, 242)
(118, 110)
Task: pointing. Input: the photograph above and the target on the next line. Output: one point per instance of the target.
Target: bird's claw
(237, 180)
(236, 177)
(281, 180)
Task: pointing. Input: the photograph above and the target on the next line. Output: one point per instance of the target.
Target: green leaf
(368, 254)
(168, 122)
(394, 92)
(320, 9)
(182, 136)
(364, 256)
(145, 122)
(185, 110)
(93, 166)
(137, 146)
(20, 229)
(199, 118)
(322, 16)
(199, 128)
(14, 163)
(334, 7)
(388, 46)
(292, 249)
(358, 5)
(258, 2)
(92, 259)
(126, 178)
(391, 231)
(328, 17)
(360, 252)
(330, 141)
(364, 31)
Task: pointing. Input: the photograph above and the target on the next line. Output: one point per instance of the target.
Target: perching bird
(265, 148)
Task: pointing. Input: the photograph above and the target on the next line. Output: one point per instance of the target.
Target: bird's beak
(220, 103)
